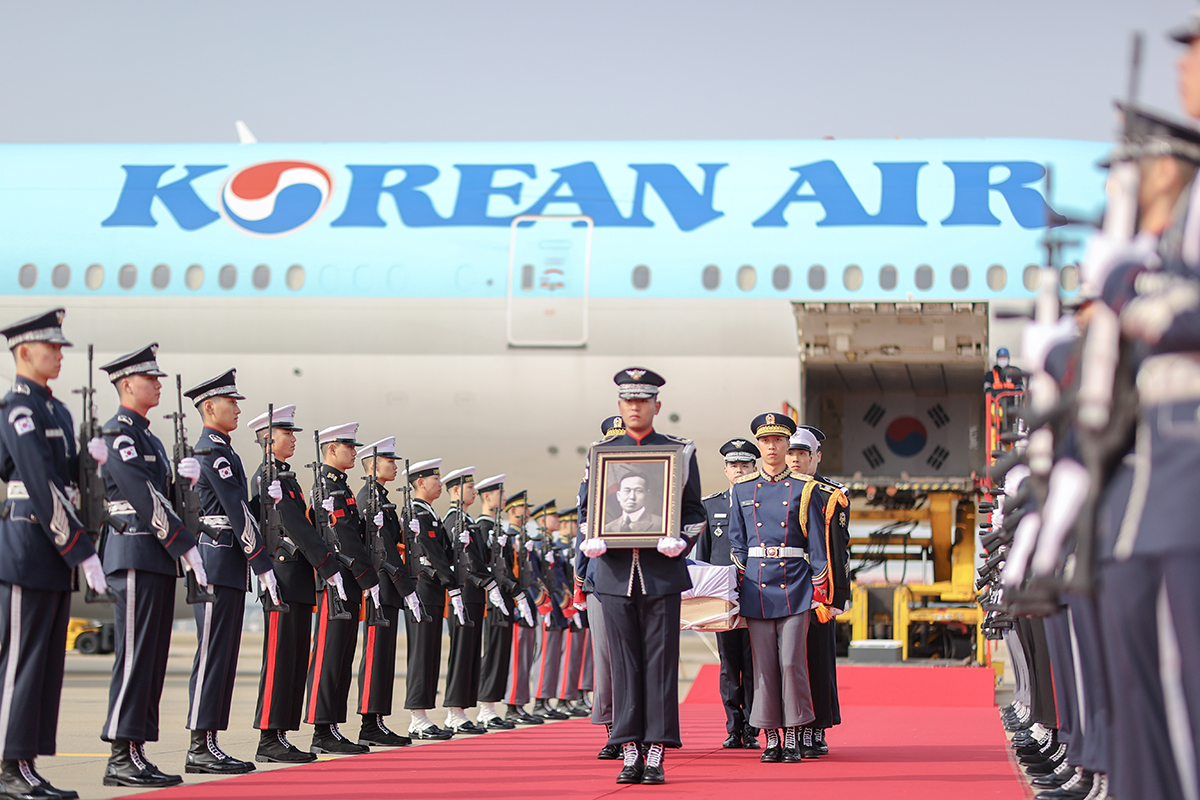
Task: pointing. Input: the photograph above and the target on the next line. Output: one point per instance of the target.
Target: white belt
(217, 521)
(17, 490)
(779, 552)
(120, 507)
(1169, 378)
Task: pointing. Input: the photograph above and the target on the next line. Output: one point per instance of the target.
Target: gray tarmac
(81, 757)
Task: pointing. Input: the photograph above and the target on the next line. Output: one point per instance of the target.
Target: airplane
(475, 299)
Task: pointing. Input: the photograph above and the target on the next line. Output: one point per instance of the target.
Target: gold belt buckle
(772, 552)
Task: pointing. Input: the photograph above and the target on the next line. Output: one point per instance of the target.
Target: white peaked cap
(284, 417)
(340, 433)
(429, 467)
(458, 475)
(487, 484)
(386, 447)
(804, 439)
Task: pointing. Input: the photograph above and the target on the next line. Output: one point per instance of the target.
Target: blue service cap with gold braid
(139, 362)
(612, 426)
(772, 424)
(638, 383)
(46, 327)
(520, 498)
(544, 510)
(569, 514)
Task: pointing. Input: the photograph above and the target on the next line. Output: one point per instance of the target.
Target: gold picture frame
(635, 494)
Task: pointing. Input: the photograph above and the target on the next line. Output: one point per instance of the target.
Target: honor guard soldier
(300, 557)
(576, 645)
(777, 540)
(464, 664)
(822, 629)
(524, 631)
(341, 523)
(41, 541)
(140, 562)
(228, 558)
(543, 523)
(733, 647)
(585, 590)
(377, 672)
(497, 621)
(435, 553)
(640, 590)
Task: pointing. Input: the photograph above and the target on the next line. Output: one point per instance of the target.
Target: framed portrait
(635, 494)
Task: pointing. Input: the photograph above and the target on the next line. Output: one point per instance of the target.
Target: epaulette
(832, 488)
(679, 439)
(751, 477)
(711, 496)
(801, 476)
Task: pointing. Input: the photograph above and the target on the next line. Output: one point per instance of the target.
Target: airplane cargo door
(549, 264)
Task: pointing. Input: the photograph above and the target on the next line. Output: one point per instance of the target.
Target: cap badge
(770, 419)
(738, 443)
(636, 374)
(618, 422)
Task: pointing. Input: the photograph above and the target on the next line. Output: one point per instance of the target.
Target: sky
(476, 70)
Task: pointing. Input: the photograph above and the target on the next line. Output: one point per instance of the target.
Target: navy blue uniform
(228, 559)
(436, 557)
(41, 540)
(140, 562)
(464, 665)
(822, 636)
(640, 590)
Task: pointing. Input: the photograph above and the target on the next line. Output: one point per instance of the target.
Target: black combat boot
(274, 748)
(126, 767)
(206, 756)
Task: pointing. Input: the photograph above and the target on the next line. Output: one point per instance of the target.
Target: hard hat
(1002, 352)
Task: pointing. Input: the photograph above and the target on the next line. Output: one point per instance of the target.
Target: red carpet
(950, 744)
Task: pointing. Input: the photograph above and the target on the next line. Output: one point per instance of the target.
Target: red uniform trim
(542, 662)
(318, 658)
(368, 663)
(516, 659)
(564, 668)
(269, 667)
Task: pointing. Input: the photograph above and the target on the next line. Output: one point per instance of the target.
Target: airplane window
(295, 277)
(227, 277)
(261, 276)
(194, 277)
(160, 276)
(746, 277)
(94, 276)
(924, 277)
(61, 276)
(816, 277)
(1032, 277)
(641, 276)
(997, 277)
(1068, 277)
(127, 276)
(527, 277)
(960, 277)
(852, 277)
(887, 277)
(27, 277)
(711, 277)
(781, 278)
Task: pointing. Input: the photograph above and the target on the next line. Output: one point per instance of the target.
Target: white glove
(414, 526)
(523, 607)
(504, 540)
(327, 504)
(464, 537)
(577, 621)
(378, 520)
(414, 605)
(267, 579)
(456, 605)
(497, 599)
(374, 592)
(93, 573)
(671, 547)
(550, 557)
(275, 491)
(815, 605)
(336, 582)
(98, 450)
(530, 545)
(594, 547)
(532, 529)
(196, 564)
(189, 469)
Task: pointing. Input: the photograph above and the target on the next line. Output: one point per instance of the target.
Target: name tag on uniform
(151, 459)
(747, 502)
(719, 516)
(54, 433)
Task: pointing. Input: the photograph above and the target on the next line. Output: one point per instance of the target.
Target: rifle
(411, 559)
(337, 609)
(495, 550)
(93, 511)
(269, 521)
(462, 562)
(375, 544)
(185, 499)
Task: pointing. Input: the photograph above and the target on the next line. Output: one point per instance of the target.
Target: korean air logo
(275, 198)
